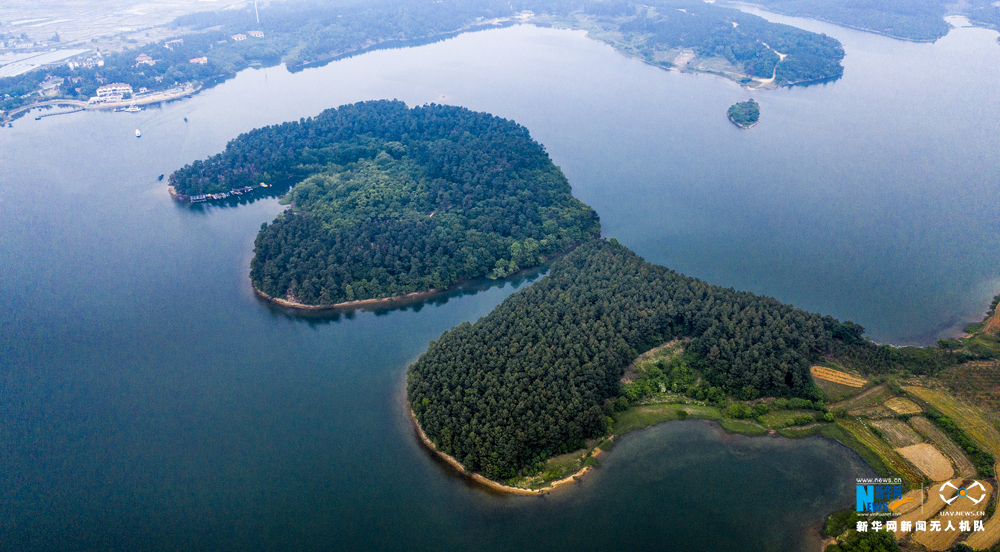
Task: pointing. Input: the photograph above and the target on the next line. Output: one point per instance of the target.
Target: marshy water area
(149, 401)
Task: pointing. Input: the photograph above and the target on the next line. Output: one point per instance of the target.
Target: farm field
(835, 391)
(916, 498)
(928, 459)
(964, 416)
(991, 533)
(929, 509)
(836, 376)
(902, 405)
(962, 464)
(978, 383)
(870, 397)
(897, 433)
(889, 456)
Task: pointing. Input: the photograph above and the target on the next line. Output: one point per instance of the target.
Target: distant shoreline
(835, 23)
(152, 98)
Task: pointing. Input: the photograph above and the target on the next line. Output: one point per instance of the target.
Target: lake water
(148, 401)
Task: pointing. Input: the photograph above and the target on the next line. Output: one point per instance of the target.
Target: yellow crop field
(982, 540)
(928, 509)
(928, 459)
(836, 376)
(944, 444)
(964, 416)
(900, 405)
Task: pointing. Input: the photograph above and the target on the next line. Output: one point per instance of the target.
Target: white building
(112, 92)
(239, 37)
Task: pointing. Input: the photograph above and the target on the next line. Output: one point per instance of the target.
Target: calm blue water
(148, 401)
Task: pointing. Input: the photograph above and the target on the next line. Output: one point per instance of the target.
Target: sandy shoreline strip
(482, 480)
(386, 301)
(741, 126)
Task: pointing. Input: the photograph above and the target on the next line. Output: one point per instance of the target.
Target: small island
(745, 114)
(390, 202)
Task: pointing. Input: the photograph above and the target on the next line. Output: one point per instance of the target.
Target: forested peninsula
(608, 343)
(534, 378)
(391, 201)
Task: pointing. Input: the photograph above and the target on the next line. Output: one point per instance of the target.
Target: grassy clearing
(743, 427)
(981, 431)
(641, 417)
(963, 466)
(668, 351)
(784, 418)
(886, 455)
(556, 468)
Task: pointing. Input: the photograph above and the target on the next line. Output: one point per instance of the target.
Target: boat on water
(137, 133)
(132, 108)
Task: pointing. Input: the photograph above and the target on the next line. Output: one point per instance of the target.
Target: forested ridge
(394, 200)
(532, 378)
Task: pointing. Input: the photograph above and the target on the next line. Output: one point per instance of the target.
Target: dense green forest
(536, 376)
(395, 200)
(744, 114)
